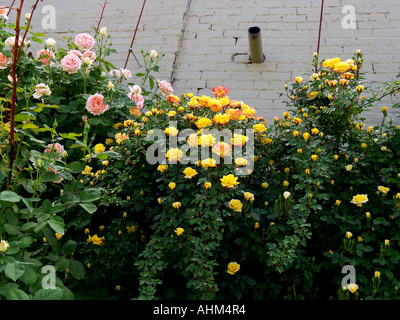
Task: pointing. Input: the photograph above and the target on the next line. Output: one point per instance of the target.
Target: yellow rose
(314, 131)
(259, 128)
(209, 162)
(306, 136)
(162, 167)
(285, 183)
(349, 167)
(383, 189)
(239, 140)
(249, 196)
(359, 199)
(95, 240)
(314, 157)
(229, 181)
(177, 205)
(190, 173)
(221, 118)
(233, 267)
(206, 140)
(352, 287)
(298, 79)
(59, 236)
(172, 185)
(87, 170)
(313, 94)
(240, 162)
(172, 131)
(98, 148)
(203, 123)
(236, 205)
(377, 274)
(348, 234)
(207, 185)
(174, 155)
(179, 231)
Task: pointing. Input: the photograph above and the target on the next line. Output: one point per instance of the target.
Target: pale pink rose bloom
(75, 52)
(136, 89)
(57, 148)
(85, 41)
(3, 10)
(138, 98)
(4, 61)
(40, 90)
(45, 56)
(115, 73)
(126, 73)
(88, 54)
(95, 104)
(10, 41)
(71, 63)
(165, 87)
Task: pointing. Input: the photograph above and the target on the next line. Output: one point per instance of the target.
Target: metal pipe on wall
(255, 43)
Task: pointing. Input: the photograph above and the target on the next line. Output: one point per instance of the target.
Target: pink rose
(4, 61)
(165, 87)
(40, 90)
(95, 104)
(115, 73)
(138, 98)
(88, 54)
(85, 41)
(75, 52)
(45, 56)
(126, 73)
(57, 148)
(71, 63)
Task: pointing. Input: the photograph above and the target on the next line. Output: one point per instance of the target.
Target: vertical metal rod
(134, 35)
(320, 27)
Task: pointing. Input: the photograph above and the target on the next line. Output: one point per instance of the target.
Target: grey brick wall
(206, 44)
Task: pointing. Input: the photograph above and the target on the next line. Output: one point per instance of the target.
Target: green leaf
(9, 196)
(71, 135)
(49, 176)
(76, 269)
(57, 224)
(49, 294)
(76, 167)
(89, 195)
(14, 270)
(16, 294)
(89, 207)
(69, 247)
(11, 229)
(29, 276)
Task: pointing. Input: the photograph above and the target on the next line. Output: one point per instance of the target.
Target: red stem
(101, 18)
(16, 55)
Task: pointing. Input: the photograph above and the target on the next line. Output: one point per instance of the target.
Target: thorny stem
(14, 91)
(101, 17)
(16, 55)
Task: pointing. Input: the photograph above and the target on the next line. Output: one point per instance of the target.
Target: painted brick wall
(206, 43)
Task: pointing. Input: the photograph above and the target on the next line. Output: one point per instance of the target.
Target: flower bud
(4, 246)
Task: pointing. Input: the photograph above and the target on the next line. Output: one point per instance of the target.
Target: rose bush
(132, 191)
